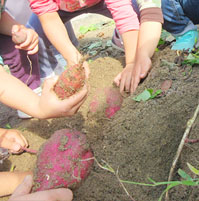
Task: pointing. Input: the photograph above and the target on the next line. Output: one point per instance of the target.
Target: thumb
(24, 188)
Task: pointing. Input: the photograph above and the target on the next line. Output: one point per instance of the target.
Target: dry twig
(186, 133)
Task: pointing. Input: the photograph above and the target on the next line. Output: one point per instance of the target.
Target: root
(185, 136)
(30, 62)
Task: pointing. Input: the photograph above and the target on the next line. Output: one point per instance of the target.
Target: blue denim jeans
(180, 16)
(47, 53)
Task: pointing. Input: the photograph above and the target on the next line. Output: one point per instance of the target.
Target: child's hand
(123, 79)
(25, 39)
(51, 106)
(13, 140)
(22, 193)
(130, 77)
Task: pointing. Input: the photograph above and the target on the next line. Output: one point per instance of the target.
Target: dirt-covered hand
(13, 140)
(51, 106)
(25, 38)
(140, 71)
(22, 193)
(123, 79)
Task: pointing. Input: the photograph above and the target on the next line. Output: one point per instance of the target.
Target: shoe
(116, 41)
(186, 41)
(23, 115)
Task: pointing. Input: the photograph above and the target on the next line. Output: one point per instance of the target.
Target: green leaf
(144, 96)
(93, 27)
(189, 183)
(147, 94)
(191, 59)
(167, 189)
(8, 126)
(109, 43)
(90, 61)
(193, 169)
(159, 91)
(83, 29)
(161, 42)
(156, 49)
(95, 45)
(184, 175)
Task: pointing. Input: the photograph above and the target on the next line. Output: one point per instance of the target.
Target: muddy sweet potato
(70, 81)
(107, 100)
(65, 160)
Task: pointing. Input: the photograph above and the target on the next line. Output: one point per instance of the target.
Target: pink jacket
(123, 14)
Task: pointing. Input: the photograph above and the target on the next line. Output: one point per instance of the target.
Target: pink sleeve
(125, 17)
(40, 7)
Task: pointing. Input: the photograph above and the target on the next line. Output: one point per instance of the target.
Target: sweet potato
(114, 101)
(65, 160)
(107, 100)
(70, 81)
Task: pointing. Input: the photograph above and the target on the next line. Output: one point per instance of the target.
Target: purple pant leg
(19, 64)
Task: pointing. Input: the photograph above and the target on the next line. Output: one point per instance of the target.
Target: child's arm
(13, 140)
(10, 181)
(149, 36)
(139, 51)
(6, 23)
(24, 38)
(58, 36)
(139, 42)
(17, 95)
(22, 193)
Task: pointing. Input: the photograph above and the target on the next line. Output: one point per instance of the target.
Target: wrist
(72, 56)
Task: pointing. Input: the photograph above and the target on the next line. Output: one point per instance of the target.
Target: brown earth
(140, 141)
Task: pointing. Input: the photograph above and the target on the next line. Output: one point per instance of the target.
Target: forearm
(17, 95)
(58, 36)
(130, 39)
(149, 36)
(10, 180)
(6, 24)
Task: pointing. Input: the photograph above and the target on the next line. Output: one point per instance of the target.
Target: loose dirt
(140, 141)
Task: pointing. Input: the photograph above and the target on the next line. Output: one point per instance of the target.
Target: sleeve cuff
(151, 14)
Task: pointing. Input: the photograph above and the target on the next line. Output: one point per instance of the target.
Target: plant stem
(110, 169)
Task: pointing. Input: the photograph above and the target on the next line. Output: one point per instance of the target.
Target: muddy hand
(18, 35)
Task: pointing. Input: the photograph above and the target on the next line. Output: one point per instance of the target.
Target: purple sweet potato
(64, 160)
(109, 100)
(114, 101)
